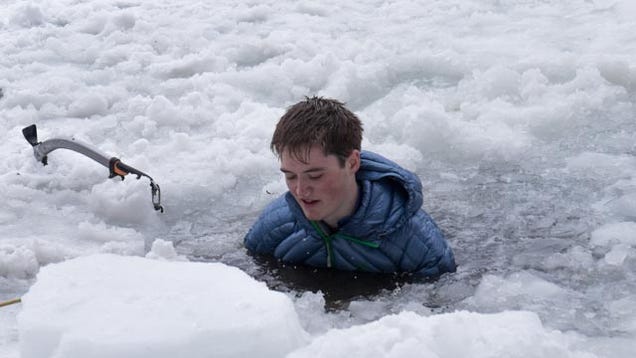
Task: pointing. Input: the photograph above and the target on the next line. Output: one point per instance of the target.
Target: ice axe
(115, 166)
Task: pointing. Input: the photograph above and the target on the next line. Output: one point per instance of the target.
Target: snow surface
(518, 116)
(117, 306)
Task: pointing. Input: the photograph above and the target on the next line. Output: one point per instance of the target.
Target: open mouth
(307, 202)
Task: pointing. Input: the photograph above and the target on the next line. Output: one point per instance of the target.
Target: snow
(517, 115)
(120, 306)
(116, 306)
(619, 237)
(509, 334)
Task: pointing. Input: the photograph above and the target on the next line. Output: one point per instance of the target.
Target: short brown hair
(317, 120)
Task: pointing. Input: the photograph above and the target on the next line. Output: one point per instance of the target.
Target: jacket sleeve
(426, 252)
(274, 225)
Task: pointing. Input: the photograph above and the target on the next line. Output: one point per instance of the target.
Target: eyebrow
(310, 170)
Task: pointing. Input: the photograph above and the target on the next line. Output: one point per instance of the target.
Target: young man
(347, 209)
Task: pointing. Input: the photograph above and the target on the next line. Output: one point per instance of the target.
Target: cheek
(330, 187)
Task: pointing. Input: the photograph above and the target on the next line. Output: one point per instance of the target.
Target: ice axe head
(31, 134)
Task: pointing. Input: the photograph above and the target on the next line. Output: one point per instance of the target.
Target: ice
(310, 307)
(116, 306)
(22, 257)
(625, 206)
(110, 305)
(518, 116)
(18, 262)
(164, 250)
(623, 312)
(617, 255)
(577, 258)
(509, 334)
(88, 105)
(615, 233)
(496, 292)
(27, 16)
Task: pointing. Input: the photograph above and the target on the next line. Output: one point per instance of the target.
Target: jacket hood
(390, 195)
(375, 167)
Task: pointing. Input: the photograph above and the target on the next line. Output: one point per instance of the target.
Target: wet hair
(317, 121)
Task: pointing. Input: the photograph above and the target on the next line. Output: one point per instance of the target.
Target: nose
(302, 188)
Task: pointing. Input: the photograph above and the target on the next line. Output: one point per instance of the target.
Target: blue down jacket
(388, 232)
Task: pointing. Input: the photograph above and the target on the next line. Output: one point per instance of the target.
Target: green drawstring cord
(329, 238)
(374, 245)
(327, 241)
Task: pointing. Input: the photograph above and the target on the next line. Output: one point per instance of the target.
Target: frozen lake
(518, 116)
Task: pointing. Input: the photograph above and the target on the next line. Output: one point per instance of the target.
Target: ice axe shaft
(10, 302)
(115, 166)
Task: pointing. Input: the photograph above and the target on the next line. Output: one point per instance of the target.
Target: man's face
(323, 189)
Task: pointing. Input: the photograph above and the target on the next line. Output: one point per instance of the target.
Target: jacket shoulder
(274, 224)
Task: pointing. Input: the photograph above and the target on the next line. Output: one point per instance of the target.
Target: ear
(353, 161)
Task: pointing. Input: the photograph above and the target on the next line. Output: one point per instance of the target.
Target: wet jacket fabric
(388, 232)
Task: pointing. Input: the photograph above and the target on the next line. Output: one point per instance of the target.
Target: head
(319, 121)
(318, 142)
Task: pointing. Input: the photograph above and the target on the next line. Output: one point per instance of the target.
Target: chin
(312, 216)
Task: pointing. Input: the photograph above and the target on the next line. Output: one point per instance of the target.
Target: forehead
(314, 157)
